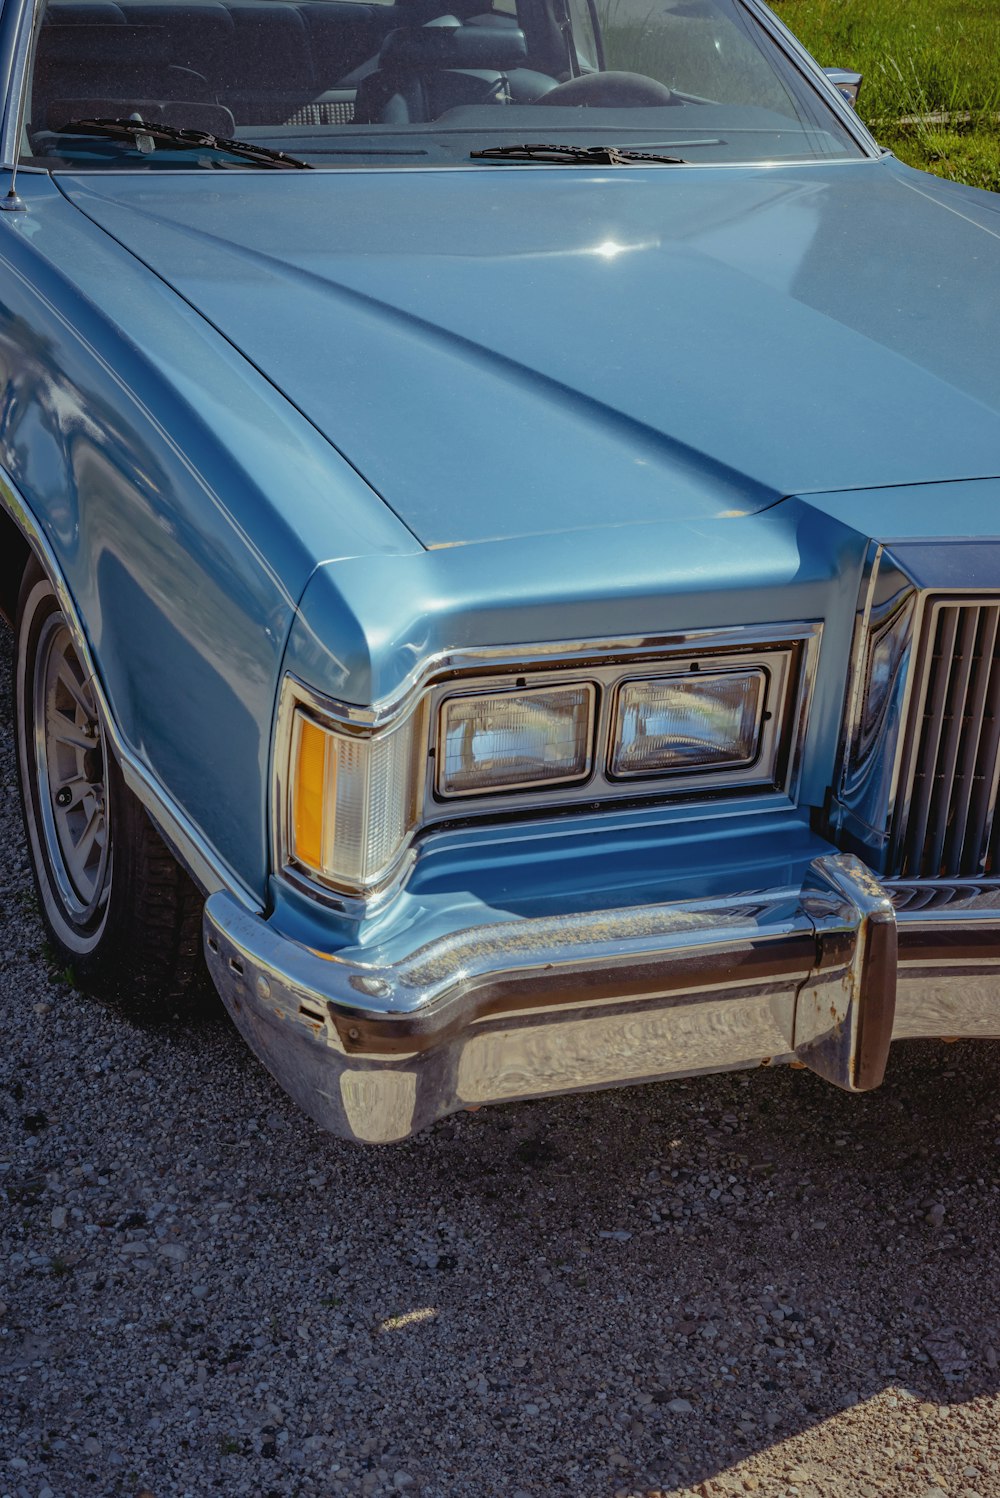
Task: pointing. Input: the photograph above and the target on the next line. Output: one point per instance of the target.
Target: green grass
(918, 57)
(690, 53)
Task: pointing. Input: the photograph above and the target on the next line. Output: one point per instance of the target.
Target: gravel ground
(749, 1283)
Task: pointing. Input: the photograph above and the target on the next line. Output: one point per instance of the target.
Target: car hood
(511, 351)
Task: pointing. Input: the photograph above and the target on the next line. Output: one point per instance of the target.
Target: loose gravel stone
(712, 1287)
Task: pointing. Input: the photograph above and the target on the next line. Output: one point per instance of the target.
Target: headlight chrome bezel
(617, 771)
(529, 783)
(786, 654)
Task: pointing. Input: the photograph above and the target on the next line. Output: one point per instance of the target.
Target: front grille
(946, 827)
(942, 894)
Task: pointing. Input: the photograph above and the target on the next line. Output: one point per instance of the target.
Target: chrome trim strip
(905, 712)
(487, 660)
(23, 15)
(808, 65)
(774, 164)
(901, 593)
(859, 650)
(187, 842)
(919, 674)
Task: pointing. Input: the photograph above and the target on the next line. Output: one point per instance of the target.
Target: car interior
(226, 66)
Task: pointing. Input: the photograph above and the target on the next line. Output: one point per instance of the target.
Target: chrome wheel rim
(71, 776)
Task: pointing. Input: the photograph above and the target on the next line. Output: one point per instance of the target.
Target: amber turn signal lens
(310, 791)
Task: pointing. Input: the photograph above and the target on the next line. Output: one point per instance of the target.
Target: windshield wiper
(144, 137)
(573, 155)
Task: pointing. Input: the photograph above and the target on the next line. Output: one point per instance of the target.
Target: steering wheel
(611, 90)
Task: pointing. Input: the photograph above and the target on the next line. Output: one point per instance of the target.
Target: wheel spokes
(79, 853)
(75, 685)
(72, 767)
(67, 731)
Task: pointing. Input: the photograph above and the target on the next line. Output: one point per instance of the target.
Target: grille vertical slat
(977, 761)
(955, 705)
(947, 828)
(991, 831)
(930, 724)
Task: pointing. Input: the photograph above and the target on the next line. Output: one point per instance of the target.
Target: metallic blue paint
(912, 511)
(207, 385)
(609, 583)
(158, 465)
(339, 423)
(554, 349)
(584, 863)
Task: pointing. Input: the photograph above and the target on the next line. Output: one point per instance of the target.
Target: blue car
(495, 514)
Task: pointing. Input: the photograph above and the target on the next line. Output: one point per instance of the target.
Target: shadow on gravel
(752, 1256)
(617, 1293)
(624, 1292)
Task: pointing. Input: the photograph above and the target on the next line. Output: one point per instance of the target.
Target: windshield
(415, 82)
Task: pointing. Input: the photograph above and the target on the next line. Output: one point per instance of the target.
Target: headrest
(453, 46)
(80, 45)
(75, 13)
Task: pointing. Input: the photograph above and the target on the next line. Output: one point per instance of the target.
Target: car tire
(122, 916)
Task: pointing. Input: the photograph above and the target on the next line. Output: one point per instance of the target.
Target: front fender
(179, 504)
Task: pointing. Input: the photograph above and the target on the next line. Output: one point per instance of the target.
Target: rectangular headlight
(685, 723)
(351, 800)
(499, 741)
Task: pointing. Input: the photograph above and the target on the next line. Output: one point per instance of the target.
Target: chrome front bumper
(826, 975)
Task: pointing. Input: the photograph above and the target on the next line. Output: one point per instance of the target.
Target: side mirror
(849, 83)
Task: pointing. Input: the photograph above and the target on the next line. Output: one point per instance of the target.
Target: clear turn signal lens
(351, 801)
(685, 723)
(515, 740)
